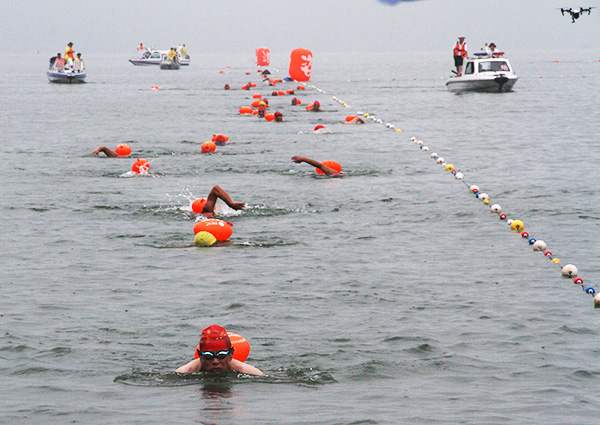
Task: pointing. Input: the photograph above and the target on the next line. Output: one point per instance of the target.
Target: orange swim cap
(214, 338)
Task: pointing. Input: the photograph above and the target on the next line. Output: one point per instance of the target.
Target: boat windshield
(493, 66)
(469, 68)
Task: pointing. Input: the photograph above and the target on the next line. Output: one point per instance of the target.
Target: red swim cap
(214, 338)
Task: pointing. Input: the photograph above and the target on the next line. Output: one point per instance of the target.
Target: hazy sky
(240, 26)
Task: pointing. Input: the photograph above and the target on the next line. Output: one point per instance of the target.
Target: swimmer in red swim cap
(328, 171)
(216, 355)
(226, 87)
(278, 116)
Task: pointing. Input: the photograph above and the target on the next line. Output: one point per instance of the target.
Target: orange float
(140, 166)
(256, 96)
(300, 64)
(310, 106)
(198, 205)
(270, 117)
(255, 103)
(245, 110)
(331, 164)
(255, 112)
(220, 229)
(318, 127)
(289, 91)
(280, 93)
(241, 347)
(253, 84)
(208, 147)
(301, 88)
(350, 118)
(123, 149)
(263, 56)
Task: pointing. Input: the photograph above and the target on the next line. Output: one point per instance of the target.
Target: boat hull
(66, 77)
(495, 84)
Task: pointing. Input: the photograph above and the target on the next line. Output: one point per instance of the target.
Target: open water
(392, 295)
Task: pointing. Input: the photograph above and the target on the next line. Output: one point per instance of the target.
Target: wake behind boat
(484, 73)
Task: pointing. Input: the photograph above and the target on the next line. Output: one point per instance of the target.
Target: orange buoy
(198, 205)
(253, 84)
(301, 88)
(245, 110)
(241, 347)
(220, 138)
(248, 73)
(123, 149)
(277, 80)
(310, 106)
(220, 72)
(140, 166)
(300, 64)
(256, 96)
(220, 229)
(280, 93)
(270, 117)
(255, 112)
(255, 103)
(331, 164)
(318, 127)
(154, 88)
(263, 56)
(208, 147)
(289, 91)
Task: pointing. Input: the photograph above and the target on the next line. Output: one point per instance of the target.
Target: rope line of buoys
(517, 226)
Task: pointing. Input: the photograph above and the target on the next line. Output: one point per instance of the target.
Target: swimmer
(278, 116)
(109, 153)
(218, 193)
(294, 101)
(356, 120)
(316, 107)
(328, 171)
(226, 87)
(216, 355)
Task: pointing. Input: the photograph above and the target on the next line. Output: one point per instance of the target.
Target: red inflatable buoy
(140, 166)
(220, 229)
(331, 164)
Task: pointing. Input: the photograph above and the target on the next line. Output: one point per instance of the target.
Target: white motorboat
(65, 74)
(484, 73)
(155, 57)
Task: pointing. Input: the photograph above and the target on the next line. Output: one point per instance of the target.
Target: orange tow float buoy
(256, 96)
(245, 110)
(220, 229)
(123, 149)
(331, 164)
(140, 166)
(208, 147)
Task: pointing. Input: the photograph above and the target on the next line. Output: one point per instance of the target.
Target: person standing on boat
(141, 50)
(184, 51)
(460, 53)
(69, 53)
(491, 49)
(171, 54)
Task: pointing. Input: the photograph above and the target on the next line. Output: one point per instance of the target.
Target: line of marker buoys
(568, 270)
(517, 226)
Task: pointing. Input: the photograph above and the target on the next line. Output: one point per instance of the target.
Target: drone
(575, 14)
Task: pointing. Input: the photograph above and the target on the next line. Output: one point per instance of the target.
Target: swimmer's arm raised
(316, 164)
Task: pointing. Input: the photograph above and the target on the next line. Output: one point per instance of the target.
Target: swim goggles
(209, 355)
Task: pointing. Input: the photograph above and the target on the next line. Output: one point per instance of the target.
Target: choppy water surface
(388, 296)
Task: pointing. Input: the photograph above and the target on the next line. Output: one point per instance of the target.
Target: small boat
(484, 73)
(170, 64)
(66, 75)
(155, 57)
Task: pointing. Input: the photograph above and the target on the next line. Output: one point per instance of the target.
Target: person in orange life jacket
(59, 62)
(460, 53)
(215, 355)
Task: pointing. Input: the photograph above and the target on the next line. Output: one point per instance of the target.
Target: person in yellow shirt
(69, 53)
